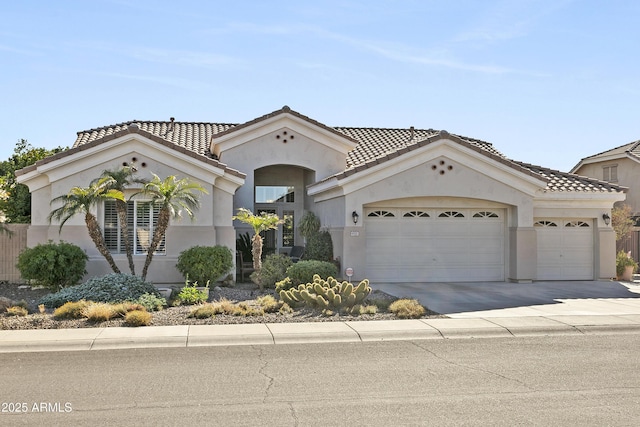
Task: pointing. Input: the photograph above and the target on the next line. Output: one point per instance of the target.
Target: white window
(142, 217)
(610, 173)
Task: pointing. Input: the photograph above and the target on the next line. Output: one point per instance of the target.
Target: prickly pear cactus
(328, 294)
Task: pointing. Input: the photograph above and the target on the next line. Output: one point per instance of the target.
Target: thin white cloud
(178, 57)
(187, 58)
(166, 81)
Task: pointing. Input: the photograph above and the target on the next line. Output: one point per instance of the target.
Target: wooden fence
(631, 243)
(11, 244)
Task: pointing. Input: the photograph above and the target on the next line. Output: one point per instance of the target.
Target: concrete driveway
(503, 299)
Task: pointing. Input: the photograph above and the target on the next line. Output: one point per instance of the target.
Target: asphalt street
(541, 380)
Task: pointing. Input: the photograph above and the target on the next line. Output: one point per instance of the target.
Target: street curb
(40, 340)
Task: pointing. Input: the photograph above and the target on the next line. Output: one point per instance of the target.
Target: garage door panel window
(381, 214)
(486, 214)
(416, 214)
(451, 214)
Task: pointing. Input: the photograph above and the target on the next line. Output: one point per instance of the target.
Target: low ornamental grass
(70, 310)
(16, 310)
(99, 312)
(138, 318)
(407, 309)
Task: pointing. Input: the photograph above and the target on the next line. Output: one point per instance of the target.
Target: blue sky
(547, 82)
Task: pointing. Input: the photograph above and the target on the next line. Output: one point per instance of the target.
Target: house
(621, 166)
(402, 205)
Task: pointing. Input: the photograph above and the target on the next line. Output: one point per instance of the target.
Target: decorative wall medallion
(441, 167)
(285, 136)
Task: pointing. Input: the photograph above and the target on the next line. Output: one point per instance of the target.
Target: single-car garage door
(434, 245)
(565, 249)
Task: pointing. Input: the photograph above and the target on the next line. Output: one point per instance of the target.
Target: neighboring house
(620, 165)
(402, 205)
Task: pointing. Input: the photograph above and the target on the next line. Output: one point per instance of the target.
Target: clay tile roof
(630, 148)
(375, 145)
(564, 181)
(190, 137)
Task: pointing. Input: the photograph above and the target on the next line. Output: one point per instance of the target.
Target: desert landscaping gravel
(171, 316)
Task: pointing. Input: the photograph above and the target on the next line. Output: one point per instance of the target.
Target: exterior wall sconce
(355, 217)
(606, 218)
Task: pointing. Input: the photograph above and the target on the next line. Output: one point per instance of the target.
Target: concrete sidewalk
(313, 332)
(474, 309)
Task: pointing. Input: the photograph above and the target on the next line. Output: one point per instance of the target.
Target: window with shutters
(142, 217)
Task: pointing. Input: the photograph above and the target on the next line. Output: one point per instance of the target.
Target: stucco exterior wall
(628, 176)
(211, 224)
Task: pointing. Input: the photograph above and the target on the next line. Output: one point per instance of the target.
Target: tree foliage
(172, 196)
(16, 204)
(263, 222)
(81, 200)
(621, 221)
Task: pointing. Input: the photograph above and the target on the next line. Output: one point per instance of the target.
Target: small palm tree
(172, 196)
(263, 222)
(119, 179)
(81, 200)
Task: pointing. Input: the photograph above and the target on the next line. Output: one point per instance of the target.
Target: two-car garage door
(429, 245)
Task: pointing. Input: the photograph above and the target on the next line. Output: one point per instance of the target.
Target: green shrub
(151, 302)
(71, 310)
(303, 271)
(244, 245)
(407, 309)
(138, 318)
(205, 263)
(274, 269)
(53, 265)
(114, 287)
(17, 310)
(319, 247)
(190, 295)
(309, 224)
(623, 260)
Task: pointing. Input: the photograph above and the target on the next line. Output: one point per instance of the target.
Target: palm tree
(118, 180)
(171, 196)
(263, 222)
(81, 200)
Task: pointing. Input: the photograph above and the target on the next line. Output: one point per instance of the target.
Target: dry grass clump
(407, 309)
(138, 318)
(224, 306)
(99, 312)
(369, 309)
(4, 304)
(121, 309)
(71, 310)
(16, 310)
(204, 311)
(269, 304)
(245, 310)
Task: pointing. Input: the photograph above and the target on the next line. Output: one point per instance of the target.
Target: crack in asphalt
(292, 410)
(262, 372)
(471, 368)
